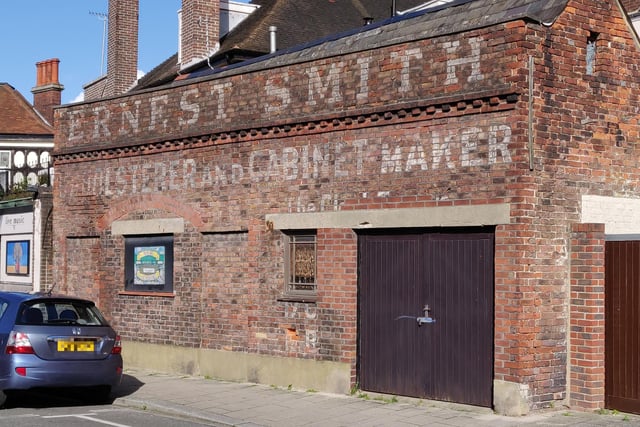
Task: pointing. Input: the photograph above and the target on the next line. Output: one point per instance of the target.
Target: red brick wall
(587, 367)
(225, 291)
(221, 154)
(45, 197)
(241, 108)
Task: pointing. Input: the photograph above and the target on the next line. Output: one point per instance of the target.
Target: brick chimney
(199, 31)
(122, 50)
(47, 92)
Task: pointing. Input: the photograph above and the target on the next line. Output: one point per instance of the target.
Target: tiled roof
(461, 15)
(17, 115)
(298, 22)
(631, 6)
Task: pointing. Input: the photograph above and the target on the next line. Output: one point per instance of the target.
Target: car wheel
(3, 398)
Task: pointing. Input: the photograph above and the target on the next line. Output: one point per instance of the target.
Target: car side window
(3, 308)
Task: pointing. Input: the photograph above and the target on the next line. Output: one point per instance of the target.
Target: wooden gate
(446, 276)
(622, 325)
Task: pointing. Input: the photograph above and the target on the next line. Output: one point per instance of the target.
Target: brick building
(418, 207)
(26, 144)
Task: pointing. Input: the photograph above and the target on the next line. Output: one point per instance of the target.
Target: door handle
(421, 320)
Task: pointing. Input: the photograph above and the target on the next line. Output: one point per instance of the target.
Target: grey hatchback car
(54, 342)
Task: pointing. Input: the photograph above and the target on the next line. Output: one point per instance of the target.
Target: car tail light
(117, 346)
(19, 343)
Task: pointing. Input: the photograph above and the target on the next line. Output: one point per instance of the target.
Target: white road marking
(88, 417)
(84, 417)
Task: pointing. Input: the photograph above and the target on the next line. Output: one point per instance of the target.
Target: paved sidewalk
(223, 403)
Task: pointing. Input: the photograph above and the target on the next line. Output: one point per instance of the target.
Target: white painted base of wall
(302, 374)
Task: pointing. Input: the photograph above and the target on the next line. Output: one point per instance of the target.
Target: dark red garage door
(622, 325)
(447, 276)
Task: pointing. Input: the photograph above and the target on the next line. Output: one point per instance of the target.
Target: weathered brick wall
(587, 332)
(225, 291)
(95, 89)
(45, 198)
(406, 158)
(84, 267)
(397, 78)
(224, 152)
(585, 142)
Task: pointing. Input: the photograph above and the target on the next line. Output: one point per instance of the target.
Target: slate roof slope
(161, 74)
(18, 117)
(460, 16)
(298, 22)
(631, 5)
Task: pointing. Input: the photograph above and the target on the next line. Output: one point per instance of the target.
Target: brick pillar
(587, 333)
(47, 92)
(199, 31)
(337, 279)
(122, 51)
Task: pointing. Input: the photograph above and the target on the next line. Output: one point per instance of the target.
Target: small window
(301, 264)
(149, 264)
(591, 53)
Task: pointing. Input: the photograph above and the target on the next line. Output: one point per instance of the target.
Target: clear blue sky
(34, 30)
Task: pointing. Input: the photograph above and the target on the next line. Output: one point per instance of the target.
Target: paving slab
(223, 403)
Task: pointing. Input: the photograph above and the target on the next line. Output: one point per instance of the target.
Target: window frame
(294, 289)
(164, 280)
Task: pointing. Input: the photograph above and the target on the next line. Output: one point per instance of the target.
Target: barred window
(301, 263)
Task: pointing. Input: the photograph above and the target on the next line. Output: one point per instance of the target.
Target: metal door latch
(421, 320)
(426, 318)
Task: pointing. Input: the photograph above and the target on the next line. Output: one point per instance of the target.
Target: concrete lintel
(440, 216)
(148, 226)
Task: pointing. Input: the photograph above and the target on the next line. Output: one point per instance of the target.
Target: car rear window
(57, 312)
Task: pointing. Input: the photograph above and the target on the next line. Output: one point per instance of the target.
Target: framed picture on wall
(17, 258)
(149, 263)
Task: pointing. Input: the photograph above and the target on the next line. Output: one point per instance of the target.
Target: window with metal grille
(301, 263)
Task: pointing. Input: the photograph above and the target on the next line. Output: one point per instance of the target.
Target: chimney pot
(47, 72)
(39, 78)
(47, 94)
(54, 71)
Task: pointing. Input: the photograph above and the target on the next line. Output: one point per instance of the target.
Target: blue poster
(17, 258)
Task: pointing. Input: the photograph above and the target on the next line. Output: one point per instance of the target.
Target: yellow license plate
(75, 345)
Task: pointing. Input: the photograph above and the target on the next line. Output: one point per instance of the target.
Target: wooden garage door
(622, 326)
(450, 275)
